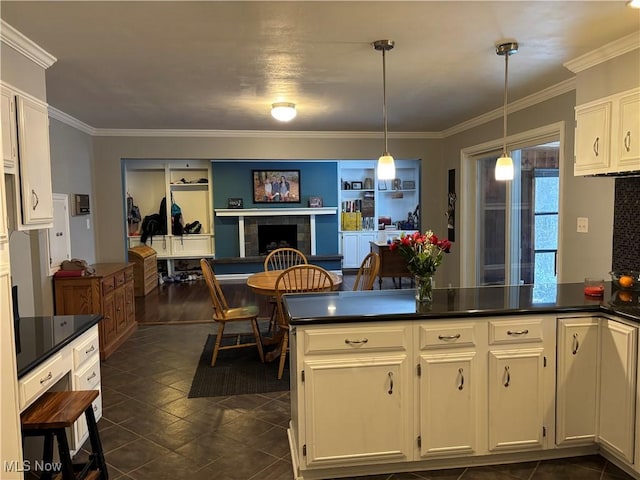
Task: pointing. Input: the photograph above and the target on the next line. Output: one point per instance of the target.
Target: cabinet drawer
(89, 377)
(119, 278)
(371, 339)
(86, 349)
(128, 274)
(42, 379)
(515, 331)
(449, 336)
(108, 284)
(82, 432)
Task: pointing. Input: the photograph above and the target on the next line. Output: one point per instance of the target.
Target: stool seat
(57, 409)
(49, 416)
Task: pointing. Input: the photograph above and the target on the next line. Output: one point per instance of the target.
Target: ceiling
(211, 65)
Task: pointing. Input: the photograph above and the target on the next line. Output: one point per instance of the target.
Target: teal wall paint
(233, 179)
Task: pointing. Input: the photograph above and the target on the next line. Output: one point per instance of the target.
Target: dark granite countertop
(379, 305)
(38, 338)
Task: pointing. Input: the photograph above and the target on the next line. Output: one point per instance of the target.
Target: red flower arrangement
(424, 252)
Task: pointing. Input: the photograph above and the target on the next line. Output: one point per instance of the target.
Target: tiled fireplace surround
(251, 232)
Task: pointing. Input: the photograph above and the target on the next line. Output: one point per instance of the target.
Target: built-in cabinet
(408, 391)
(26, 155)
(188, 184)
(607, 136)
(367, 203)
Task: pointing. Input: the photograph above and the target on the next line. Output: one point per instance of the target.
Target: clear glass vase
(424, 288)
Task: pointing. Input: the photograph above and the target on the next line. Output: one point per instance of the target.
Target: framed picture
(279, 186)
(396, 184)
(315, 202)
(382, 184)
(408, 185)
(235, 203)
(356, 185)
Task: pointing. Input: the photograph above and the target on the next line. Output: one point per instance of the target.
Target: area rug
(237, 372)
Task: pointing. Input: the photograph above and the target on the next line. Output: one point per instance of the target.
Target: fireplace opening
(271, 237)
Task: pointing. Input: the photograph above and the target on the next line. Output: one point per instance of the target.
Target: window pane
(546, 194)
(546, 232)
(545, 268)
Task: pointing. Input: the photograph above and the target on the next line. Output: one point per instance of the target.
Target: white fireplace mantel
(241, 213)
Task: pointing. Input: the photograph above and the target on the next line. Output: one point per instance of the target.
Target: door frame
(468, 173)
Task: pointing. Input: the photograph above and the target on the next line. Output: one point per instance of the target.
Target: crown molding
(114, 132)
(526, 102)
(604, 53)
(25, 46)
(71, 121)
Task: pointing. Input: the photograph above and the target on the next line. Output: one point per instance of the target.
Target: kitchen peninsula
(483, 376)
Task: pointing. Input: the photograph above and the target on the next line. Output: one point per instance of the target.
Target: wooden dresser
(145, 269)
(392, 264)
(109, 291)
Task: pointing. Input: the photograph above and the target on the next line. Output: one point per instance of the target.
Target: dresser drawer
(108, 284)
(41, 379)
(515, 331)
(128, 274)
(86, 348)
(375, 338)
(119, 278)
(89, 377)
(449, 336)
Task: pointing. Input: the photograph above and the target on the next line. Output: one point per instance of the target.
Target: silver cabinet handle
(517, 332)
(595, 146)
(35, 198)
(93, 347)
(627, 141)
(576, 344)
(356, 342)
(507, 375)
(46, 379)
(449, 337)
(461, 384)
(390, 374)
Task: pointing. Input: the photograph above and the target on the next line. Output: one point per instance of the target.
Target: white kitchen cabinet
(28, 132)
(618, 374)
(356, 397)
(188, 182)
(354, 247)
(577, 380)
(607, 135)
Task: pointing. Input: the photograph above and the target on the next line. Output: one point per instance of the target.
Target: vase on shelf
(424, 288)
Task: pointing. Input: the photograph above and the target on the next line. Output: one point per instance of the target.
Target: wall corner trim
(19, 42)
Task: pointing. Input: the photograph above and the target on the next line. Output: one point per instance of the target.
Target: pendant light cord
(504, 136)
(384, 98)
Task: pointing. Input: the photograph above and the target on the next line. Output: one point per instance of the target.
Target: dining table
(264, 283)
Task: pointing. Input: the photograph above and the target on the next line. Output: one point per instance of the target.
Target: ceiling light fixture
(386, 166)
(283, 111)
(504, 164)
(633, 3)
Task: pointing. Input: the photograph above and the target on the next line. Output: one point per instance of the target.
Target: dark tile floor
(151, 430)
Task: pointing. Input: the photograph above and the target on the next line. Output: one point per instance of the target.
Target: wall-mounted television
(276, 186)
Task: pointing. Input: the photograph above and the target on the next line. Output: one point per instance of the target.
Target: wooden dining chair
(297, 279)
(367, 272)
(222, 314)
(281, 259)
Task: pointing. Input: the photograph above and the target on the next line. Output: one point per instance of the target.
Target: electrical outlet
(583, 225)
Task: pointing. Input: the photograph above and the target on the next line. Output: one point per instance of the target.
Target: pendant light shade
(283, 111)
(386, 166)
(504, 164)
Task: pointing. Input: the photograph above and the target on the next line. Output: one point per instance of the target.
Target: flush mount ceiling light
(283, 111)
(386, 166)
(504, 164)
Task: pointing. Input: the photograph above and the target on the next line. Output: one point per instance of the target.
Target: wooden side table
(391, 264)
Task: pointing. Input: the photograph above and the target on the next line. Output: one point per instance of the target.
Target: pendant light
(386, 166)
(504, 164)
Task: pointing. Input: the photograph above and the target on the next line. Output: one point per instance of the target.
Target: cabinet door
(616, 426)
(129, 303)
(364, 247)
(577, 381)
(9, 132)
(358, 410)
(448, 403)
(592, 142)
(121, 317)
(350, 250)
(35, 164)
(628, 151)
(516, 399)
(108, 322)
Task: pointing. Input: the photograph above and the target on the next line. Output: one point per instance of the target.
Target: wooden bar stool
(49, 416)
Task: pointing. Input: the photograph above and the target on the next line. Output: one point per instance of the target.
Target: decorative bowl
(626, 279)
